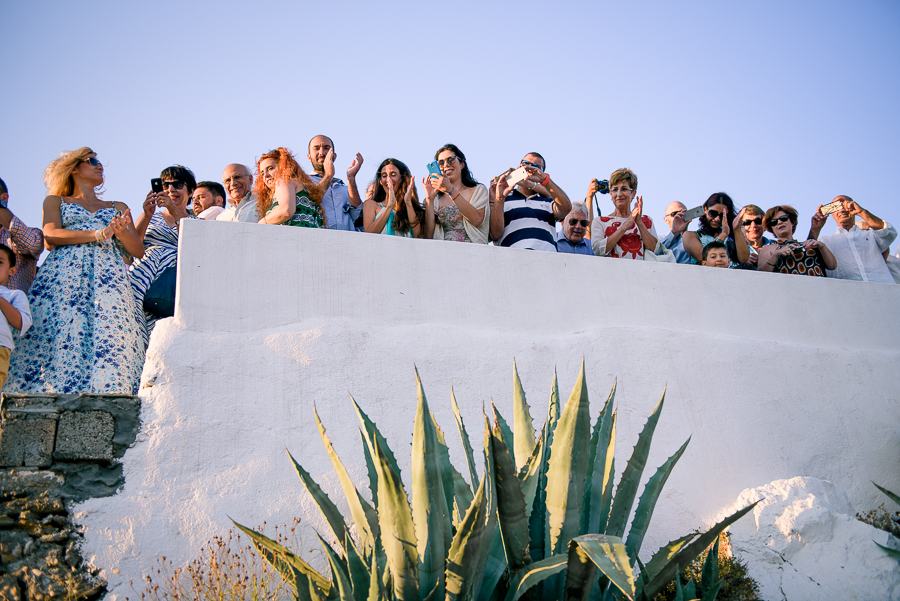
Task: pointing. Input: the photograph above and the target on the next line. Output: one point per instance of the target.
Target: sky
(771, 102)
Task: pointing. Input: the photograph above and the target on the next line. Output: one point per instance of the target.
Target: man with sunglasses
(525, 216)
(575, 226)
(674, 218)
(26, 242)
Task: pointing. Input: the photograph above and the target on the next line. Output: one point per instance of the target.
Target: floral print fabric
(87, 330)
(630, 245)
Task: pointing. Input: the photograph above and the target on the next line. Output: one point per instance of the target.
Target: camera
(604, 186)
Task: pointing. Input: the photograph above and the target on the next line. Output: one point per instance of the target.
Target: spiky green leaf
(494, 568)
(371, 434)
(523, 429)
(462, 497)
(446, 470)
(664, 554)
(370, 469)
(596, 510)
(893, 496)
(464, 437)
(505, 432)
(895, 553)
(338, 575)
(357, 571)
(376, 590)
(534, 574)
(510, 504)
(464, 549)
(590, 552)
(538, 530)
(491, 527)
(710, 574)
(328, 509)
(530, 475)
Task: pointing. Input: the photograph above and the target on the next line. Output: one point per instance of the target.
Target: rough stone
(24, 482)
(85, 481)
(84, 436)
(9, 588)
(803, 542)
(26, 440)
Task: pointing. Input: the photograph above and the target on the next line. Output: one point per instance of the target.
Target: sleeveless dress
(453, 223)
(389, 227)
(87, 330)
(160, 252)
(306, 213)
(800, 261)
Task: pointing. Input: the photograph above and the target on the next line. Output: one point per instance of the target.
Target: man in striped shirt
(26, 242)
(530, 210)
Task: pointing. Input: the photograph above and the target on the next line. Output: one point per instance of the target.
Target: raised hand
(726, 229)
(353, 169)
(407, 196)
(441, 183)
(150, 203)
(736, 224)
(593, 188)
(391, 197)
(818, 219)
(638, 209)
(328, 163)
(430, 192)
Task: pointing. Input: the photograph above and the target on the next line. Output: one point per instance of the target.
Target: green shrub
(737, 585)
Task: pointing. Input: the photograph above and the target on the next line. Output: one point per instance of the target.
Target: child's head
(715, 254)
(7, 263)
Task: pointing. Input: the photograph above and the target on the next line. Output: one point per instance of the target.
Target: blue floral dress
(87, 330)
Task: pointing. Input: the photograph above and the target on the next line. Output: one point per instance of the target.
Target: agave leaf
(523, 430)
(464, 436)
(510, 504)
(446, 471)
(370, 469)
(553, 406)
(338, 575)
(531, 477)
(316, 594)
(663, 555)
(688, 553)
(538, 531)
(506, 433)
(712, 592)
(494, 568)
(462, 497)
(596, 510)
(895, 553)
(398, 534)
(371, 434)
(893, 496)
(363, 515)
(535, 573)
(288, 573)
(626, 491)
(490, 518)
(430, 513)
(609, 472)
(710, 574)
(285, 559)
(356, 570)
(464, 548)
(647, 502)
(329, 510)
(568, 467)
(589, 478)
(590, 552)
(376, 589)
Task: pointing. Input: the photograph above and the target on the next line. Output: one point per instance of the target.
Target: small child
(15, 310)
(715, 254)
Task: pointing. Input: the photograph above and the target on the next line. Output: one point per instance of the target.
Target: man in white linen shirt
(241, 200)
(859, 253)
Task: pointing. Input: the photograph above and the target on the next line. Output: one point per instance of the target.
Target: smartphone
(156, 184)
(433, 169)
(693, 213)
(832, 207)
(517, 176)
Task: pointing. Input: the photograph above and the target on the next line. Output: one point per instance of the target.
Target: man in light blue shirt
(674, 218)
(571, 239)
(341, 203)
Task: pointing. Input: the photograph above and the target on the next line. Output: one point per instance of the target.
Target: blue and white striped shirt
(528, 222)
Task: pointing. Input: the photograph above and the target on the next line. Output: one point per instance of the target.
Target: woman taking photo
(718, 222)
(87, 330)
(285, 194)
(158, 228)
(381, 215)
(625, 233)
(456, 206)
(787, 255)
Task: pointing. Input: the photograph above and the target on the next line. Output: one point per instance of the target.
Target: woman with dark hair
(787, 255)
(456, 205)
(286, 195)
(159, 232)
(718, 222)
(381, 214)
(87, 332)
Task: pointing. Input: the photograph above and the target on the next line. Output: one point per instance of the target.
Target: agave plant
(542, 520)
(895, 521)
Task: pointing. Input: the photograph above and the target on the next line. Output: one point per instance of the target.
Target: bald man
(241, 201)
(674, 218)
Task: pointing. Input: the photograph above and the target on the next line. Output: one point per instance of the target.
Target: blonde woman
(87, 335)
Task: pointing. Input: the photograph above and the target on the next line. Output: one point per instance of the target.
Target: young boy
(716, 255)
(14, 309)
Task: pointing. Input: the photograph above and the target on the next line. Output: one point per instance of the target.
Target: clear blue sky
(772, 102)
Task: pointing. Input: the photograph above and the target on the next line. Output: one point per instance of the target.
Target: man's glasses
(777, 220)
(93, 162)
(583, 222)
(757, 221)
(449, 161)
(530, 164)
(673, 213)
(177, 184)
(713, 214)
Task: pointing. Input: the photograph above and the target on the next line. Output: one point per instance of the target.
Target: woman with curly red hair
(285, 194)
(626, 233)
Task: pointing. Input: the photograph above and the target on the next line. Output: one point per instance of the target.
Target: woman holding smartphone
(719, 222)
(381, 213)
(456, 205)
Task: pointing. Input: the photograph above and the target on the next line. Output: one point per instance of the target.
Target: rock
(55, 537)
(84, 436)
(803, 542)
(9, 588)
(22, 482)
(27, 440)
(7, 522)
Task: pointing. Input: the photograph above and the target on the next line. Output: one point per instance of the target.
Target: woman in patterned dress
(626, 233)
(159, 231)
(456, 206)
(787, 255)
(87, 330)
(382, 214)
(285, 194)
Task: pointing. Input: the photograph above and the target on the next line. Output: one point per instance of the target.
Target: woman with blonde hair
(87, 330)
(285, 194)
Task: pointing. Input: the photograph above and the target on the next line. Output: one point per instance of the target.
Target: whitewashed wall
(773, 376)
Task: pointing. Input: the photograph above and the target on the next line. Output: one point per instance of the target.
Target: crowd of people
(82, 321)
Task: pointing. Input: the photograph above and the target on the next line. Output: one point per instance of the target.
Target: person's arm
(414, 224)
(647, 237)
(143, 222)
(20, 303)
(670, 241)
(430, 221)
(56, 235)
(124, 230)
(854, 209)
(498, 192)
(353, 196)
(376, 226)
(816, 224)
(12, 315)
(471, 214)
(741, 248)
(284, 201)
(589, 201)
(24, 240)
(828, 258)
(693, 246)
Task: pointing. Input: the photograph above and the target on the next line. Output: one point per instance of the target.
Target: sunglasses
(449, 161)
(583, 222)
(673, 213)
(177, 184)
(713, 214)
(93, 162)
(777, 220)
(757, 221)
(530, 164)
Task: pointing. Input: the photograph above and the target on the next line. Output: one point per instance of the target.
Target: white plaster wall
(773, 376)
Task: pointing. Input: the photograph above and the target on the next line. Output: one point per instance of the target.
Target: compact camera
(604, 186)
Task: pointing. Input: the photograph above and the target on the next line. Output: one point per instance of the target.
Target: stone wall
(56, 450)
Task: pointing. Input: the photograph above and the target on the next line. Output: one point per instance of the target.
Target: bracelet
(450, 193)
(454, 197)
(769, 262)
(98, 235)
(546, 179)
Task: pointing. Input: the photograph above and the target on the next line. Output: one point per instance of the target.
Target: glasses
(757, 221)
(93, 162)
(673, 213)
(530, 164)
(777, 220)
(583, 222)
(713, 214)
(177, 184)
(449, 161)
(618, 189)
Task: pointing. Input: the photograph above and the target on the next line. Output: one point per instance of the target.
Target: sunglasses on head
(93, 162)
(449, 161)
(177, 184)
(583, 222)
(713, 214)
(757, 221)
(782, 219)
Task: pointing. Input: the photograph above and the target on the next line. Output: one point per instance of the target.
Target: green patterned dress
(306, 214)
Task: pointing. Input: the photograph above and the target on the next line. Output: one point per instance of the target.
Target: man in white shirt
(208, 200)
(241, 201)
(859, 253)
